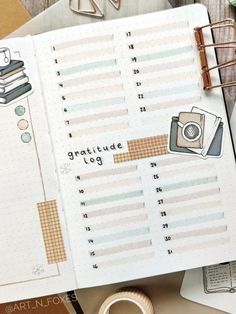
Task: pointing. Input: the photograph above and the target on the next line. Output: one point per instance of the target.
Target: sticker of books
(14, 83)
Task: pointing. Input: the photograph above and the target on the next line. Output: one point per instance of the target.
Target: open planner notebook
(115, 163)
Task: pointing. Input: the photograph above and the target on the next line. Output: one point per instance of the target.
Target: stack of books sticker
(13, 81)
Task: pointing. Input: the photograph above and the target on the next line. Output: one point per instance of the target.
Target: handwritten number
(143, 109)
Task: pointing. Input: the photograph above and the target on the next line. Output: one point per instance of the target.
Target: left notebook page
(35, 255)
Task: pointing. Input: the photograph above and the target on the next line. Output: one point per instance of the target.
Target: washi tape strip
(144, 148)
(52, 234)
(132, 295)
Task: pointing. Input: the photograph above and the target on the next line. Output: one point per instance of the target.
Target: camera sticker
(197, 133)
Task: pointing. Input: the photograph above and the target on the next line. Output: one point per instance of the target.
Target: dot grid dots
(144, 148)
(51, 229)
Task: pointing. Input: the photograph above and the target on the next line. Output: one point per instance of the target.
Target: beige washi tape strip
(130, 295)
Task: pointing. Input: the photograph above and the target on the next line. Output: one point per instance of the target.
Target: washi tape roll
(132, 295)
(233, 2)
(5, 57)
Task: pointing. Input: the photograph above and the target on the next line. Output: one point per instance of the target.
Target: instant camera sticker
(197, 133)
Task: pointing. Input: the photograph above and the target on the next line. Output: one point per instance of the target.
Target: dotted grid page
(35, 259)
(143, 153)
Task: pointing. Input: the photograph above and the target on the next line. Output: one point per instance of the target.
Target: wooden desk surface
(218, 8)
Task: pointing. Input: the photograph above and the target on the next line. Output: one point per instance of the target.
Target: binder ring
(202, 47)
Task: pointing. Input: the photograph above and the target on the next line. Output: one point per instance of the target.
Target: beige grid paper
(51, 229)
(144, 148)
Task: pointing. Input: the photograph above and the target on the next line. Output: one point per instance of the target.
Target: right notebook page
(144, 154)
(213, 285)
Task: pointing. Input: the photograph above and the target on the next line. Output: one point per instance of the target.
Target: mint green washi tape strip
(233, 2)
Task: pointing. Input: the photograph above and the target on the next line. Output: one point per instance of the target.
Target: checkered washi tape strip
(144, 148)
(148, 143)
(52, 234)
(155, 151)
(118, 158)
